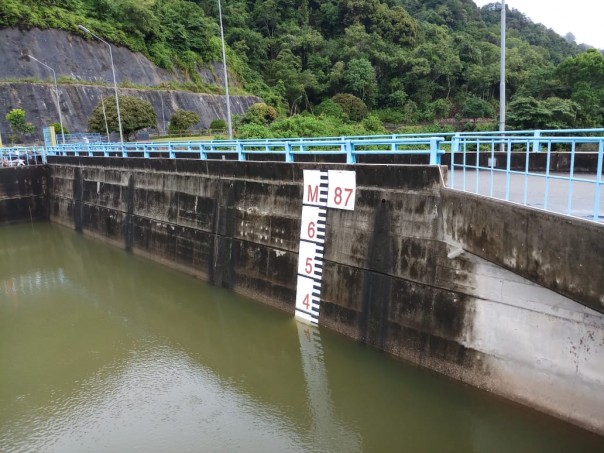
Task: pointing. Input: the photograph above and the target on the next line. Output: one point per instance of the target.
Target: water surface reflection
(105, 351)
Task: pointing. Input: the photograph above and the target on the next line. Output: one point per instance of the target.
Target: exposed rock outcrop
(88, 61)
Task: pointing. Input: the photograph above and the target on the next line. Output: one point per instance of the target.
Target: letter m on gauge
(315, 188)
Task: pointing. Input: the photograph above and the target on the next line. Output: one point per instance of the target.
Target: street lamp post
(54, 76)
(105, 116)
(226, 77)
(117, 101)
(502, 72)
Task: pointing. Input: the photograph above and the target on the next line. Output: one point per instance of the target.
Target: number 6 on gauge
(310, 222)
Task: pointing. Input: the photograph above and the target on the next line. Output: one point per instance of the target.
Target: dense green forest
(408, 61)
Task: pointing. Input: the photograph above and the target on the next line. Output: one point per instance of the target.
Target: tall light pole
(226, 77)
(502, 72)
(54, 76)
(117, 101)
(105, 116)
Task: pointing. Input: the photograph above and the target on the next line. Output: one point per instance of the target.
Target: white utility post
(226, 77)
(54, 76)
(117, 101)
(502, 72)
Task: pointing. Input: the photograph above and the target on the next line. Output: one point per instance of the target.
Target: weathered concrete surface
(23, 194)
(394, 276)
(563, 254)
(78, 102)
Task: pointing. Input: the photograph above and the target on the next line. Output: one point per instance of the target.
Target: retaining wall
(23, 194)
(397, 275)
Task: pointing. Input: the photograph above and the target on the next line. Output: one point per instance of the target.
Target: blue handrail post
(44, 156)
(599, 181)
(146, 151)
(240, 152)
(434, 151)
(536, 142)
(455, 140)
(202, 152)
(350, 157)
(288, 152)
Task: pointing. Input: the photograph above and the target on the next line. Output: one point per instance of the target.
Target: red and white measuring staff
(322, 190)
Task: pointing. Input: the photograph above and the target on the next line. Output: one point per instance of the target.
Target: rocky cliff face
(88, 61)
(78, 101)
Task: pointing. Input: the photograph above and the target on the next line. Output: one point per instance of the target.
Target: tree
(360, 79)
(182, 120)
(218, 123)
(260, 114)
(136, 114)
(352, 106)
(58, 129)
(526, 112)
(475, 108)
(16, 119)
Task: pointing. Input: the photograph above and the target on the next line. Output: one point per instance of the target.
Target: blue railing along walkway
(515, 166)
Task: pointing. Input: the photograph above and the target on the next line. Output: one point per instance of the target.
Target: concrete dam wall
(23, 194)
(399, 271)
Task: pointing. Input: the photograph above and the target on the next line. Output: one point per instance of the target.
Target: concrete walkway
(563, 197)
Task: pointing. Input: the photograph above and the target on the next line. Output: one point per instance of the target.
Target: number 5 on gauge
(306, 259)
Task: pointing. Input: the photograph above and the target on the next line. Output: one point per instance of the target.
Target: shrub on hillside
(260, 113)
(253, 131)
(353, 107)
(58, 129)
(182, 120)
(218, 124)
(329, 108)
(373, 125)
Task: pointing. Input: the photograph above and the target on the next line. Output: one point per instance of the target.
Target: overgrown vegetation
(136, 114)
(182, 120)
(407, 61)
(18, 124)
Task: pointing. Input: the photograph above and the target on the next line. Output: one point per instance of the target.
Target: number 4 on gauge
(303, 294)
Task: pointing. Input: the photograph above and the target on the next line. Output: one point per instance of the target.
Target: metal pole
(105, 116)
(226, 77)
(163, 117)
(117, 101)
(54, 76)
(502, 72)
(59, 107)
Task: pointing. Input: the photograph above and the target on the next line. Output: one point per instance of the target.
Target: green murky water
(102, 351)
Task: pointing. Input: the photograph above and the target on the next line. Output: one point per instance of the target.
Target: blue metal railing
(533, 168)
(21, 156)
(541, 171)
(246, 149)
